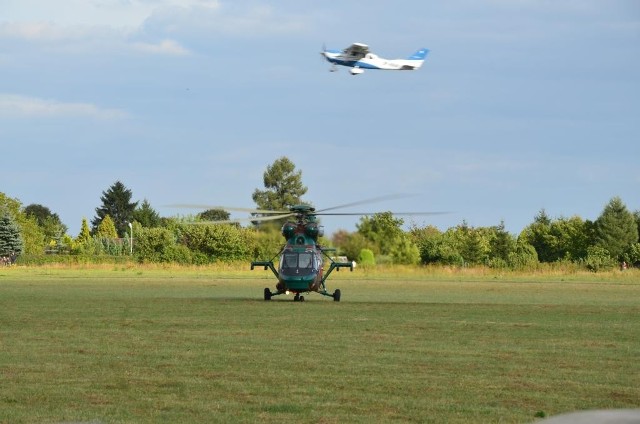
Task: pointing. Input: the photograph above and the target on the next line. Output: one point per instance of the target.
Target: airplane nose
(323, 53)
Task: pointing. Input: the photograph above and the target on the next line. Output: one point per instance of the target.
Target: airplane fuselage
(371, 61)
(360, 59)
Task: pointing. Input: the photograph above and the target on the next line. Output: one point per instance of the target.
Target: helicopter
(302, 259)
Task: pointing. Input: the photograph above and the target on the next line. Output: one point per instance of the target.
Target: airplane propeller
(323, 53)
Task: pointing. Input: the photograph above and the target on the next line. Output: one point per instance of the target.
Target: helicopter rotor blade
(250, 219)
(227, 208)
(367, 201)
(374, 213)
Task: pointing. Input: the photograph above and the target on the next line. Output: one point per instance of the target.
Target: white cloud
(169, 47)
(152, 27)
(45, 20)
(98, 13)
(48, 32)
(12, 105)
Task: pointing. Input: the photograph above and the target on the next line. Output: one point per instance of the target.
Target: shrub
(366, 258)
(598, 259)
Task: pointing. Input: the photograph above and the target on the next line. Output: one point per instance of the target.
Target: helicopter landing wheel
(301, 298)
(336, 295)
(296, 298)
(267, 293)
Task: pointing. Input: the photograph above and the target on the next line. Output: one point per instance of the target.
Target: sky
(521, 105)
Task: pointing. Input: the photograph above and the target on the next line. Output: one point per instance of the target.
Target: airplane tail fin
(419, 55)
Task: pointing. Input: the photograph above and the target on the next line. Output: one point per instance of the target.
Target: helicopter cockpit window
(302, 263)
(290, 260)
(305, 260)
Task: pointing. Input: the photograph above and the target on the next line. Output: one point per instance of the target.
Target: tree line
(122, 227)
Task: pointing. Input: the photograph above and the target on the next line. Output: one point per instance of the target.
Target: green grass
(152, 345)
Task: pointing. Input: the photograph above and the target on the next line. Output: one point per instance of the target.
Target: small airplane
(358, 57)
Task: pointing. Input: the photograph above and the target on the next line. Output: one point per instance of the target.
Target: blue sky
(520, 105)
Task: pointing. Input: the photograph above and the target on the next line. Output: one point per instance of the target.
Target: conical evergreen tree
(146, 215)
(10, 238)
(107, 229)
(615, 228)
(116, 202)
(85, 233)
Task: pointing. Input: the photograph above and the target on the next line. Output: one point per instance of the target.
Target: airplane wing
(356, 50)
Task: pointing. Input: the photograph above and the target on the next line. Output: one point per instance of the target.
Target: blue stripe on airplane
(354, 64)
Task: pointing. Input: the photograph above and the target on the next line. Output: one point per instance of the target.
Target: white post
(131, 241)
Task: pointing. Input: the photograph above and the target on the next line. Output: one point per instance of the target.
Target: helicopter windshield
(294, 263)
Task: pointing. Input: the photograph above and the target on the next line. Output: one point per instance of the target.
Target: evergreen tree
(283, 186)
(538, 235)
(502, 243)
(146, 215)
(85, 234)
(116, 202)
(616, 229)
(32, 235)
(10, 237)
(472, 243)
(106, 229)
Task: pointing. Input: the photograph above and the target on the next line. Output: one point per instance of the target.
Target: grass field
(136, 345)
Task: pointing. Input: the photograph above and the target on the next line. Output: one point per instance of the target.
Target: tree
(146, 215)
(382, 230)
(32, 235)
(214, 215)
(350, 244)
(428, 240)
(571, 238)
(501, 242)
(116, 202)
(283, 186)
(50, 223)
(85, 234)
(405, 252)
(472, 243)
(524, 256)
(616, 229)
(106, 229)
(386, 236)
(538, 235)
(10, 238)
(598, 259)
